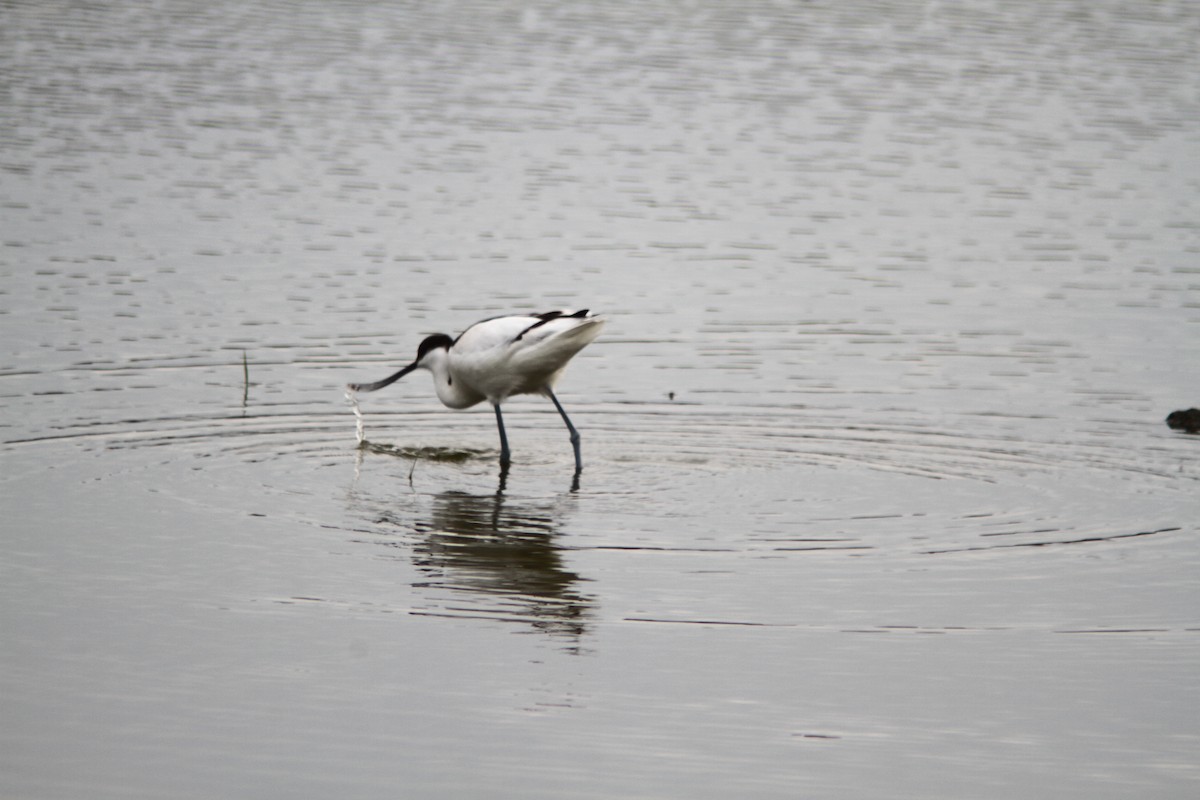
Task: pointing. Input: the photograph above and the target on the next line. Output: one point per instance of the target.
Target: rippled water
(877, 501)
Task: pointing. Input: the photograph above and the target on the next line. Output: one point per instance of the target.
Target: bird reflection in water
(498, 549)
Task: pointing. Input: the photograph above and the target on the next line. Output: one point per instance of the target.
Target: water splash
(352, 398)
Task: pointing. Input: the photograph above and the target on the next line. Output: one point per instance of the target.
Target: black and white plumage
(497, 358)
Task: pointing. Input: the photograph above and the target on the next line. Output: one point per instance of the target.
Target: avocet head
(437, 343)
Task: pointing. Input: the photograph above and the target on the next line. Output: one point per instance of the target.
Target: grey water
(877, 501)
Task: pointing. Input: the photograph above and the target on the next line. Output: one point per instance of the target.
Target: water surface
(877, 501)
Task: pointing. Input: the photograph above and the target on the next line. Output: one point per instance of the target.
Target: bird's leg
(570, 427)
(505, 455)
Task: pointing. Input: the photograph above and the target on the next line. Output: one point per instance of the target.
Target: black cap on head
(433, 343)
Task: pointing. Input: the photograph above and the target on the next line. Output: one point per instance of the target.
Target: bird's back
(511, 355)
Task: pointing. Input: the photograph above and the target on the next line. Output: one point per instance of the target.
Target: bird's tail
(584, 332)
(552, 345)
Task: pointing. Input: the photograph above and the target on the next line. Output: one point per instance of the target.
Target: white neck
(452, 393)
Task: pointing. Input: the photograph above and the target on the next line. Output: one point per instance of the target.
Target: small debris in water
(816, 736)
(245, 380)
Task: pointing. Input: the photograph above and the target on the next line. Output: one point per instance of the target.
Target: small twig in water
(245, 379)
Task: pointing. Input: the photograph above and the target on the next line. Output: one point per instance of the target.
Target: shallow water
(877, 500)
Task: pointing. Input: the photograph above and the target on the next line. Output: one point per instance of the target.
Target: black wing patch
(543, 318)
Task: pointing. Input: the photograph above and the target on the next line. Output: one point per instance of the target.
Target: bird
(1186, 420)
(499, 357)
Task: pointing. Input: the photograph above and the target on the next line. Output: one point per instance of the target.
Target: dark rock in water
(1187, 420)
